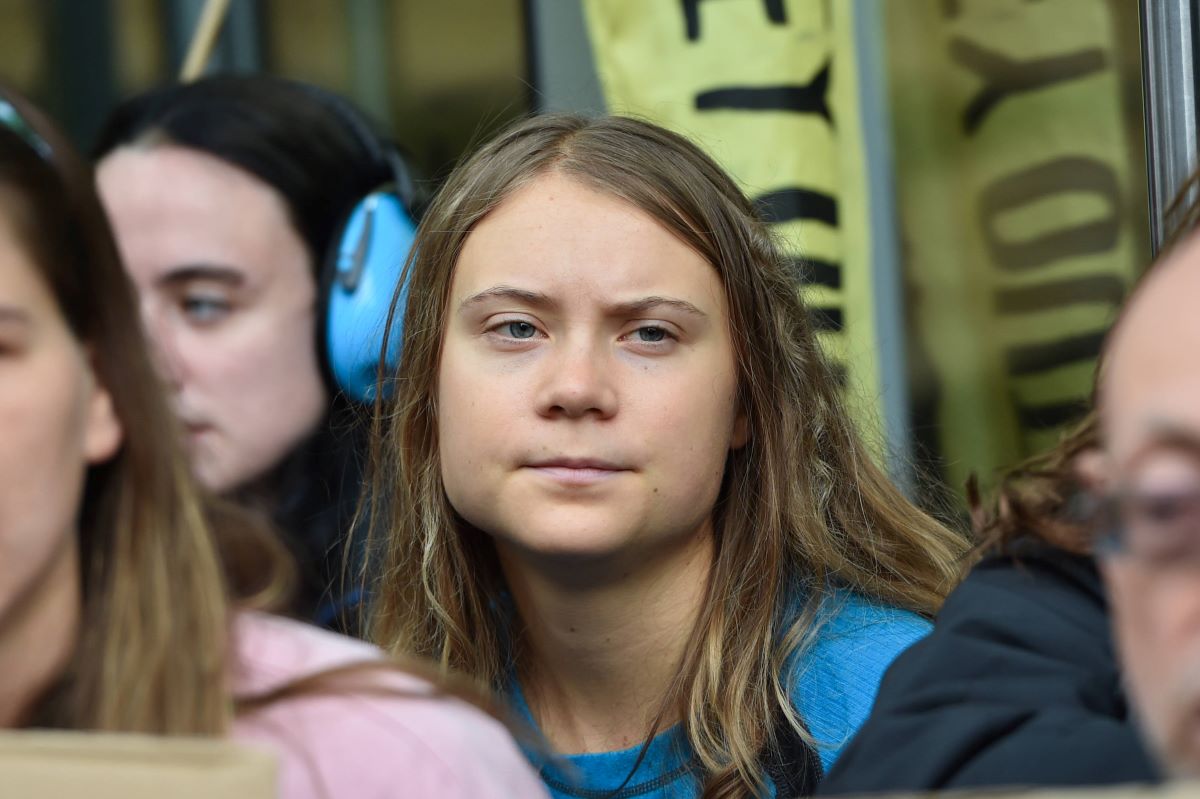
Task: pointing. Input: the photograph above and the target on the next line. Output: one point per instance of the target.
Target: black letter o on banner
(1072, 174)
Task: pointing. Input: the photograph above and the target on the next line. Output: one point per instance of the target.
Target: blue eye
(204, 310)
(651, 334)
(519, 329)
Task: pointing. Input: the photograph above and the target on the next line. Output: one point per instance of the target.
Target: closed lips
(578, 471)
(580, 464)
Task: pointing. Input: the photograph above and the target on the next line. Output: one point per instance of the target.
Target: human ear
(741, 431)
(1092, 470)
(103, 432)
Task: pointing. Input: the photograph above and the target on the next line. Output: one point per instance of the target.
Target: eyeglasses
(11, 119)
(1157, 527)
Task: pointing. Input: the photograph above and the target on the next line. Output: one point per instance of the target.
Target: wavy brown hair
(152, 654)
(802, 507)
(1033, 499)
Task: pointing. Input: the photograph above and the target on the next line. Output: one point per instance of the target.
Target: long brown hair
(802, 506)
(152, 654)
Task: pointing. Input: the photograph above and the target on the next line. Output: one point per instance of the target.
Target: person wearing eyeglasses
(1149, 528)
(1018, 685)
(1021, 682)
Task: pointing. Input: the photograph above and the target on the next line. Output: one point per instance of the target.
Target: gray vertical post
(886, 264)
(564, 72)
(1169, 93)
(370, 26)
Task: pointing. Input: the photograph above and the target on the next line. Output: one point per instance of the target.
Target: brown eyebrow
(186, 274)
(645, 304)
(535, 298)
(1166, 436)
(539, 300)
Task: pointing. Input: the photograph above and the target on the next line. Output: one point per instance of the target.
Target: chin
(214, 477)
(1178, 741)
(564, 547)
(578, 549)
(1181, 766)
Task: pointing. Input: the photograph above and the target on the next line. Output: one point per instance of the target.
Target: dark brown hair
(1033, 498)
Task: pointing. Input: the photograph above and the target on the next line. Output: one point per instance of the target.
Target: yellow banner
(770, 90)
(1022, 203)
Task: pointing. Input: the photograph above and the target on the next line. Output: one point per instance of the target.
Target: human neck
(598, 659)
(37, 636)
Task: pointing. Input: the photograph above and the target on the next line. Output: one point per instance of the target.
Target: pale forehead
(556, 230)
(170, 204)
(1151, 376)
(143, 171)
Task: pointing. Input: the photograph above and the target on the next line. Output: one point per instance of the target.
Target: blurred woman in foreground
(118, 610)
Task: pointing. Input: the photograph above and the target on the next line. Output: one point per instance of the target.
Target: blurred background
(963, 184)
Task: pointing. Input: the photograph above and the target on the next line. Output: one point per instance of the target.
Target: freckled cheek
(690, 442)
(472, 420)
(695, 417)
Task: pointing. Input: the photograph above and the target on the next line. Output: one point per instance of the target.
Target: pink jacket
(368, 744)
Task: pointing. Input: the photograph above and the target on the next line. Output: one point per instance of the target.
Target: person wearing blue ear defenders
(266, 226)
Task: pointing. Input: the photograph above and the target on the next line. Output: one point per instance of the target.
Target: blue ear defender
(363, 271)
(368, 267)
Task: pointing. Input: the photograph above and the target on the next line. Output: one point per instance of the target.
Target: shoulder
(857, 639)
(1066, 584)
(1041, 616)
(1017, 677)
(374, 732)
(272, 651)
(836, 677)
(1034, 599)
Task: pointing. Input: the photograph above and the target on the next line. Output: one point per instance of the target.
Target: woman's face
(228, 298)
(55, 420)
(587, 386)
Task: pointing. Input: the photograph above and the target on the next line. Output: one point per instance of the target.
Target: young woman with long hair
(118, 610)
(618, 482)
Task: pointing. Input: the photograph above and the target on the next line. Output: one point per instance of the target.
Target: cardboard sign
(109, 766)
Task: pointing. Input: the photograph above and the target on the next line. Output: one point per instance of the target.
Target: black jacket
(315, 494)
(1017, 685)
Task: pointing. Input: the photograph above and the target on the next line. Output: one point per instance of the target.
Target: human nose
(578, 382)
(164, 349)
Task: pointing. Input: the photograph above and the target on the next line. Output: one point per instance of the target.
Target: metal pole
(370, 29)
(1169, 94)
(886, 266)
(563, 67)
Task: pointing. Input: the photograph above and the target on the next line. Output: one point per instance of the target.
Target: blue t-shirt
(834, 686)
